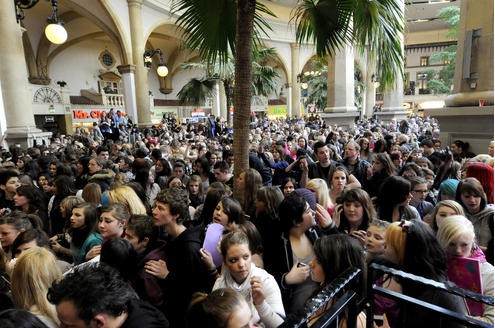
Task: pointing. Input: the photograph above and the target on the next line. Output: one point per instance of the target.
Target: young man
(143, 236)
(95, 295)
(222, 174)
(183, 273)
(419, 191)
(322, 167)
(9, 182)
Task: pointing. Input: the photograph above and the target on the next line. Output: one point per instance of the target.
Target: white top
(271, 312)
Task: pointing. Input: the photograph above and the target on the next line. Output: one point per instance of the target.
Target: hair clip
(404, 226)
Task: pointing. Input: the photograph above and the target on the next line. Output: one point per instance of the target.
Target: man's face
(230, 160)
(323, 155)
(53, 170)
(104, 154)
(11, 185)
(221, 176)
(161, 214)
(69, 317)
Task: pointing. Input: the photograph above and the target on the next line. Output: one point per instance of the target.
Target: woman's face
(238, 261)
(317, 273)
(339, 180)
(77, 219)
(471, 201)
(20, 164)
(354, 212)
(20, 200)
(461, 246)
(109, 226)
(375, 240)
(443, 212)
(193, 187)
(219, 215)
(93, 166)
(7, 234)
(158, 166)
(455, 149)
(377, 166)
(288, 188)
(241, 317)
(241, 181)
(308, 217)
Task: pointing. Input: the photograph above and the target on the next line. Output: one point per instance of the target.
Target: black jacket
(141, 314)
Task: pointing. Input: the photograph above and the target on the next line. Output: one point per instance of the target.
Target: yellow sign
(277, 110)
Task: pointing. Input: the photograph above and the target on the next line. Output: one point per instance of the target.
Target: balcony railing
(113, 100)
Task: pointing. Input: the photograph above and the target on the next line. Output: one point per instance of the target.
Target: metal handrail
(321, 299)
(401, 298)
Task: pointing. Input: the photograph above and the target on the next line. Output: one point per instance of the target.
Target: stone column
(341, 82)
(294, 109)
(473, 79)
(141, 75)
(17, 99)
(464, 118)
(223, 101)
(127, 72)
(340, 108)
(393, 99)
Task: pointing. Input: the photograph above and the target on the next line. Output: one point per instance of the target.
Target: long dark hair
(423, 255)
(394, 190)
(336, 253)
(79, 235)
(360, 196)
(36, 200)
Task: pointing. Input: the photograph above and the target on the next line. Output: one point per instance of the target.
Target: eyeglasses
(309, 210)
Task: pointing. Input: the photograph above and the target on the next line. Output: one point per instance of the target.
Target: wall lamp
(54, 31)
(162, 69)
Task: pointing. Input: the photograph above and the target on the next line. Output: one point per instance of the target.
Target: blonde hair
(321, 188)
(125, 195)
(395, 237)
(453, 227)
(452, 204)
(34, 272)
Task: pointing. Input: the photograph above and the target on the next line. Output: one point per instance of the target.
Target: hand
(257, 291)
(385, 323)
(322, 216)
(93, 252)
(337, 211)
(55, 245)
(157, 268)
(207, 259)
(303, 164)
(359, 235)
(297, 274)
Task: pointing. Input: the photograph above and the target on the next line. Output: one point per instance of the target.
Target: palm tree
(215, 27)
(195, 91)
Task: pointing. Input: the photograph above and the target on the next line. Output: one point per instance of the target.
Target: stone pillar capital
(135, 2)
(294, 46)
(129, 68)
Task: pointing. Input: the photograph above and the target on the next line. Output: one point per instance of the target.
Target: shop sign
(89, 114)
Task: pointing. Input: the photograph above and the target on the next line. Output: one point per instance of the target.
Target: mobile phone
(378, 319)
(301, 264)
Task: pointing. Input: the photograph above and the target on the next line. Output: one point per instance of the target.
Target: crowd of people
(127, 227)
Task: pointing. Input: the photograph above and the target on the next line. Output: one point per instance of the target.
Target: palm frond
(211, 26)
(326, 23)
(378, 28)
(195, 92)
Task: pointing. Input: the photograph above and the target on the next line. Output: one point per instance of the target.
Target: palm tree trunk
(242, 88)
